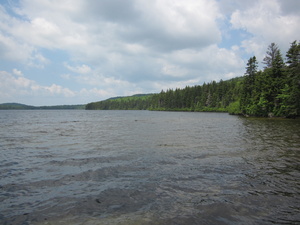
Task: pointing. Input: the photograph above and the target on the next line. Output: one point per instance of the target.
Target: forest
(271, 92)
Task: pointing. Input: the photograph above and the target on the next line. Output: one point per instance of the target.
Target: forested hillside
(135, 102)
(15, 106)
(274, 91)
(207, 97)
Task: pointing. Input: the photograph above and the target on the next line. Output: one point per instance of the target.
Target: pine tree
(293, 55)
(292, 100)
(271, 55)
(248, 87)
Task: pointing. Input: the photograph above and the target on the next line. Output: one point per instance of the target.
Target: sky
(55, 52)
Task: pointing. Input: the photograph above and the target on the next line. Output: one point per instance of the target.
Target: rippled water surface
(141, 167)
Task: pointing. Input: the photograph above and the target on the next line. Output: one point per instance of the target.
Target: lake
(145, 167)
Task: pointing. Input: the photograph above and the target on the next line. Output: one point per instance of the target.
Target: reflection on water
(140, 167)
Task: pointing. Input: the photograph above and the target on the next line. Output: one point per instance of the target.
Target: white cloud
(83, 69)
(267, 23)
(172, 25)
(173, 70)
(17, 72)
(95, 92)
(16, 87)
(209, 63)
(58, 90)
(164, 25)
(9, 47)
(134, 46)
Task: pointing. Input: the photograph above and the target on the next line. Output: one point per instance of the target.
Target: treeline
(215, 96)
(135, 102)
(62, 107)
(220, 96)
(274, 91)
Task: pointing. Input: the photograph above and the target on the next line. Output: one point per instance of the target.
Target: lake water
(143, 167)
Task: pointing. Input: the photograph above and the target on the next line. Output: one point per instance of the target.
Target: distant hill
(134, 102)
(15, 106)
(18, 106)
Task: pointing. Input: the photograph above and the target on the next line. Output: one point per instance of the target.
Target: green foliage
(234, 108)
(135, 102)
(206, 98)
(293, 75)
(276, 89)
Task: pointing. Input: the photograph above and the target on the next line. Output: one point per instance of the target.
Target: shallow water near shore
(144, 167)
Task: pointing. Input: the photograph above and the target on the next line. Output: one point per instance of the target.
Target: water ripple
(140, 167)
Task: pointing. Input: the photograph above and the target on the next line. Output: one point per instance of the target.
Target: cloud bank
(68, 52)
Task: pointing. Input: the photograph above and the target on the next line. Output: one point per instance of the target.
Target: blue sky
(55, 52)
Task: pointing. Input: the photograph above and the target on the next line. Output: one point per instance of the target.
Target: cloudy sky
(77, 51)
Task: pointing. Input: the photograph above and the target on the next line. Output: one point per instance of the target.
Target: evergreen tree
(274, 81)
(292, 88)
(277, 81)
(293, 55)
(271, 55)
(248, 86)
(277, 65)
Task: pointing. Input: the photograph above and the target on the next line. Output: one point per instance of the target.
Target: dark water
(140, 167)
